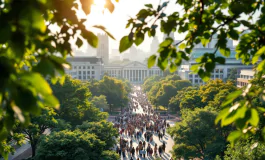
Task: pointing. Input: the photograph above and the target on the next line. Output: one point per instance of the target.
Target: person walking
(164, 147)
(137, 150)
(151, 152)
(123, 152)
(133, 151)
(160, 150)
(144, 152)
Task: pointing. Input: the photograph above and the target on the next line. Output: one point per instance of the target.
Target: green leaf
(234, 136)
(220, 60)
(51, 101)
(38, 20)
(209, 66)
(172, 68)
(125, 43)
(105, 30)
(236, 112)
(224, 112)
(149, 5)
(254, 119)
(261, 66)
(233, 34)
(231, 97)
(37, 81)
(225, 51)
(91, 38)
(257, 55)
(182, 46)
(166, 42)
(151, 61)
(139, 38)
(205, 41)
(79, 42)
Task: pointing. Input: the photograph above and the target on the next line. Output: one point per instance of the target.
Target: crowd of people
(139, 124)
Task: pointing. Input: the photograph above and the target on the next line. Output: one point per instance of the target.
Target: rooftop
(198, 52)
(92, 60)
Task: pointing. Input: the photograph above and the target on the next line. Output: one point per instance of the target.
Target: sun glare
(100, 4)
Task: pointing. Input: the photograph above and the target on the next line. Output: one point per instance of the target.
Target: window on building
(88, 72)
(221, 76)
(196, 75)
(79, 67)
(216, 76)
(88, 77)
(84, 67)
(93, 77)
(196, 80)
(93, 72)
(88, 67)
(190, 75)
(79, 77)
(92, 67)
(221, 70)
(74, 67)
(79, 72)
(84, 72)
(216, 70)
(84, 77)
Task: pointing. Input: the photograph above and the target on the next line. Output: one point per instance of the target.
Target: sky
(115, 22)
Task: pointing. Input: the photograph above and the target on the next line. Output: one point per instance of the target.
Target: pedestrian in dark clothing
(120, 151)
(133, 151)
(164, 147)
(160, 150)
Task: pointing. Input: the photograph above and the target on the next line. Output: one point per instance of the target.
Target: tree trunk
(110, 108)
(33, 149)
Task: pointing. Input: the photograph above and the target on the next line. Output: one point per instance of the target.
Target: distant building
(244, 77)
(85, 68)
(103, 48)
(133, 71)
(154, 46)
(220, 71)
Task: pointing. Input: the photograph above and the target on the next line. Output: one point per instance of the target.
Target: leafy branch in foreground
(200, 21)
(31, 49)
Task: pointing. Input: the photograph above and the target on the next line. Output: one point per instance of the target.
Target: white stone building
(134, 71)
(85, 68)
(244, 77)
(220, 72)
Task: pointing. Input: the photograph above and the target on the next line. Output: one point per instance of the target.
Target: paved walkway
(167, 139)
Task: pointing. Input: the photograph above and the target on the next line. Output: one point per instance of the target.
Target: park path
(167, 138)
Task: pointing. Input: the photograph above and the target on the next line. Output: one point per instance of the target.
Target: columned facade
(135, 72)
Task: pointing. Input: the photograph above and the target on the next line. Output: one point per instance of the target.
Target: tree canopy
(196, 136)
(72, 145)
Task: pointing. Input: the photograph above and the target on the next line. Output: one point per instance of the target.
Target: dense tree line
(78, 129)
(161, 89)
(197, 135)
